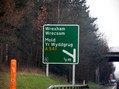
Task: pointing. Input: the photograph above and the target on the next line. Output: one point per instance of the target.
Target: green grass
(35, 81)
(29, 81)
(94, 85)
(4, 81)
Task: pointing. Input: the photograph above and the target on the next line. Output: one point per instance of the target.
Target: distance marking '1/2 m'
(71, 55)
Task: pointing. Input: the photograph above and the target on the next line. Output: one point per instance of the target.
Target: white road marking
(114, 87)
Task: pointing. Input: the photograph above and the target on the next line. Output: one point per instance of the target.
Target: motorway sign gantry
(60, 44)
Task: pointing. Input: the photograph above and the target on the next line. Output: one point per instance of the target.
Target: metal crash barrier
(68, 87)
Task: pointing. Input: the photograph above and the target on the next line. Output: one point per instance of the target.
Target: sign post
(60, 44)
(47, 70)
(73, 74)
(13, 74)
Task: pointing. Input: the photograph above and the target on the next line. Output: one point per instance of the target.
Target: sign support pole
(73, 74)
(47, 69)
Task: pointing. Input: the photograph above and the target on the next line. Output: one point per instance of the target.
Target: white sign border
(43, 43)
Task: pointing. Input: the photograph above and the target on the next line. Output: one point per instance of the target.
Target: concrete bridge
(112, 56)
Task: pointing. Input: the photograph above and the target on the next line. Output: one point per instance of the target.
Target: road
(110, 87)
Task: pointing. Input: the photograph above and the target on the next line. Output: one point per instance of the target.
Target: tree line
(21, 27)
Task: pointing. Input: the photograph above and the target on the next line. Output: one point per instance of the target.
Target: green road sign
(60, 44)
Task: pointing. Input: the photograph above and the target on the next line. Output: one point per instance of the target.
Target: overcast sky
(107, 12)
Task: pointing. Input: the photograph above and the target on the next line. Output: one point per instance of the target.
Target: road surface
(109, 87)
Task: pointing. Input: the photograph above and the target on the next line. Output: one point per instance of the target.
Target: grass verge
(94, 85)
(35, 81)
(4, 80)
(29, 81)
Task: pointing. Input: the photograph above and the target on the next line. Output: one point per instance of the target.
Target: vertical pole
(47, 70)
(58, 11)
(6, 53)
(84, 82)
(13, 74)
(73, 74)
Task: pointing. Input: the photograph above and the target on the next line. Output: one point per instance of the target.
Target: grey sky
(107, 12)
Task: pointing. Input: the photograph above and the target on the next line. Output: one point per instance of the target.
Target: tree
(92, 47)
(21, 26)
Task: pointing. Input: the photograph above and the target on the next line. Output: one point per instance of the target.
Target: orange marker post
(13, 74)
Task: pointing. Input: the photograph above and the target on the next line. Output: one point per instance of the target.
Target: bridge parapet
(112, 56)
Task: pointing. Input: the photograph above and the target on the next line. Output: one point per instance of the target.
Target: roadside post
(61, 45)
(13, 74)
